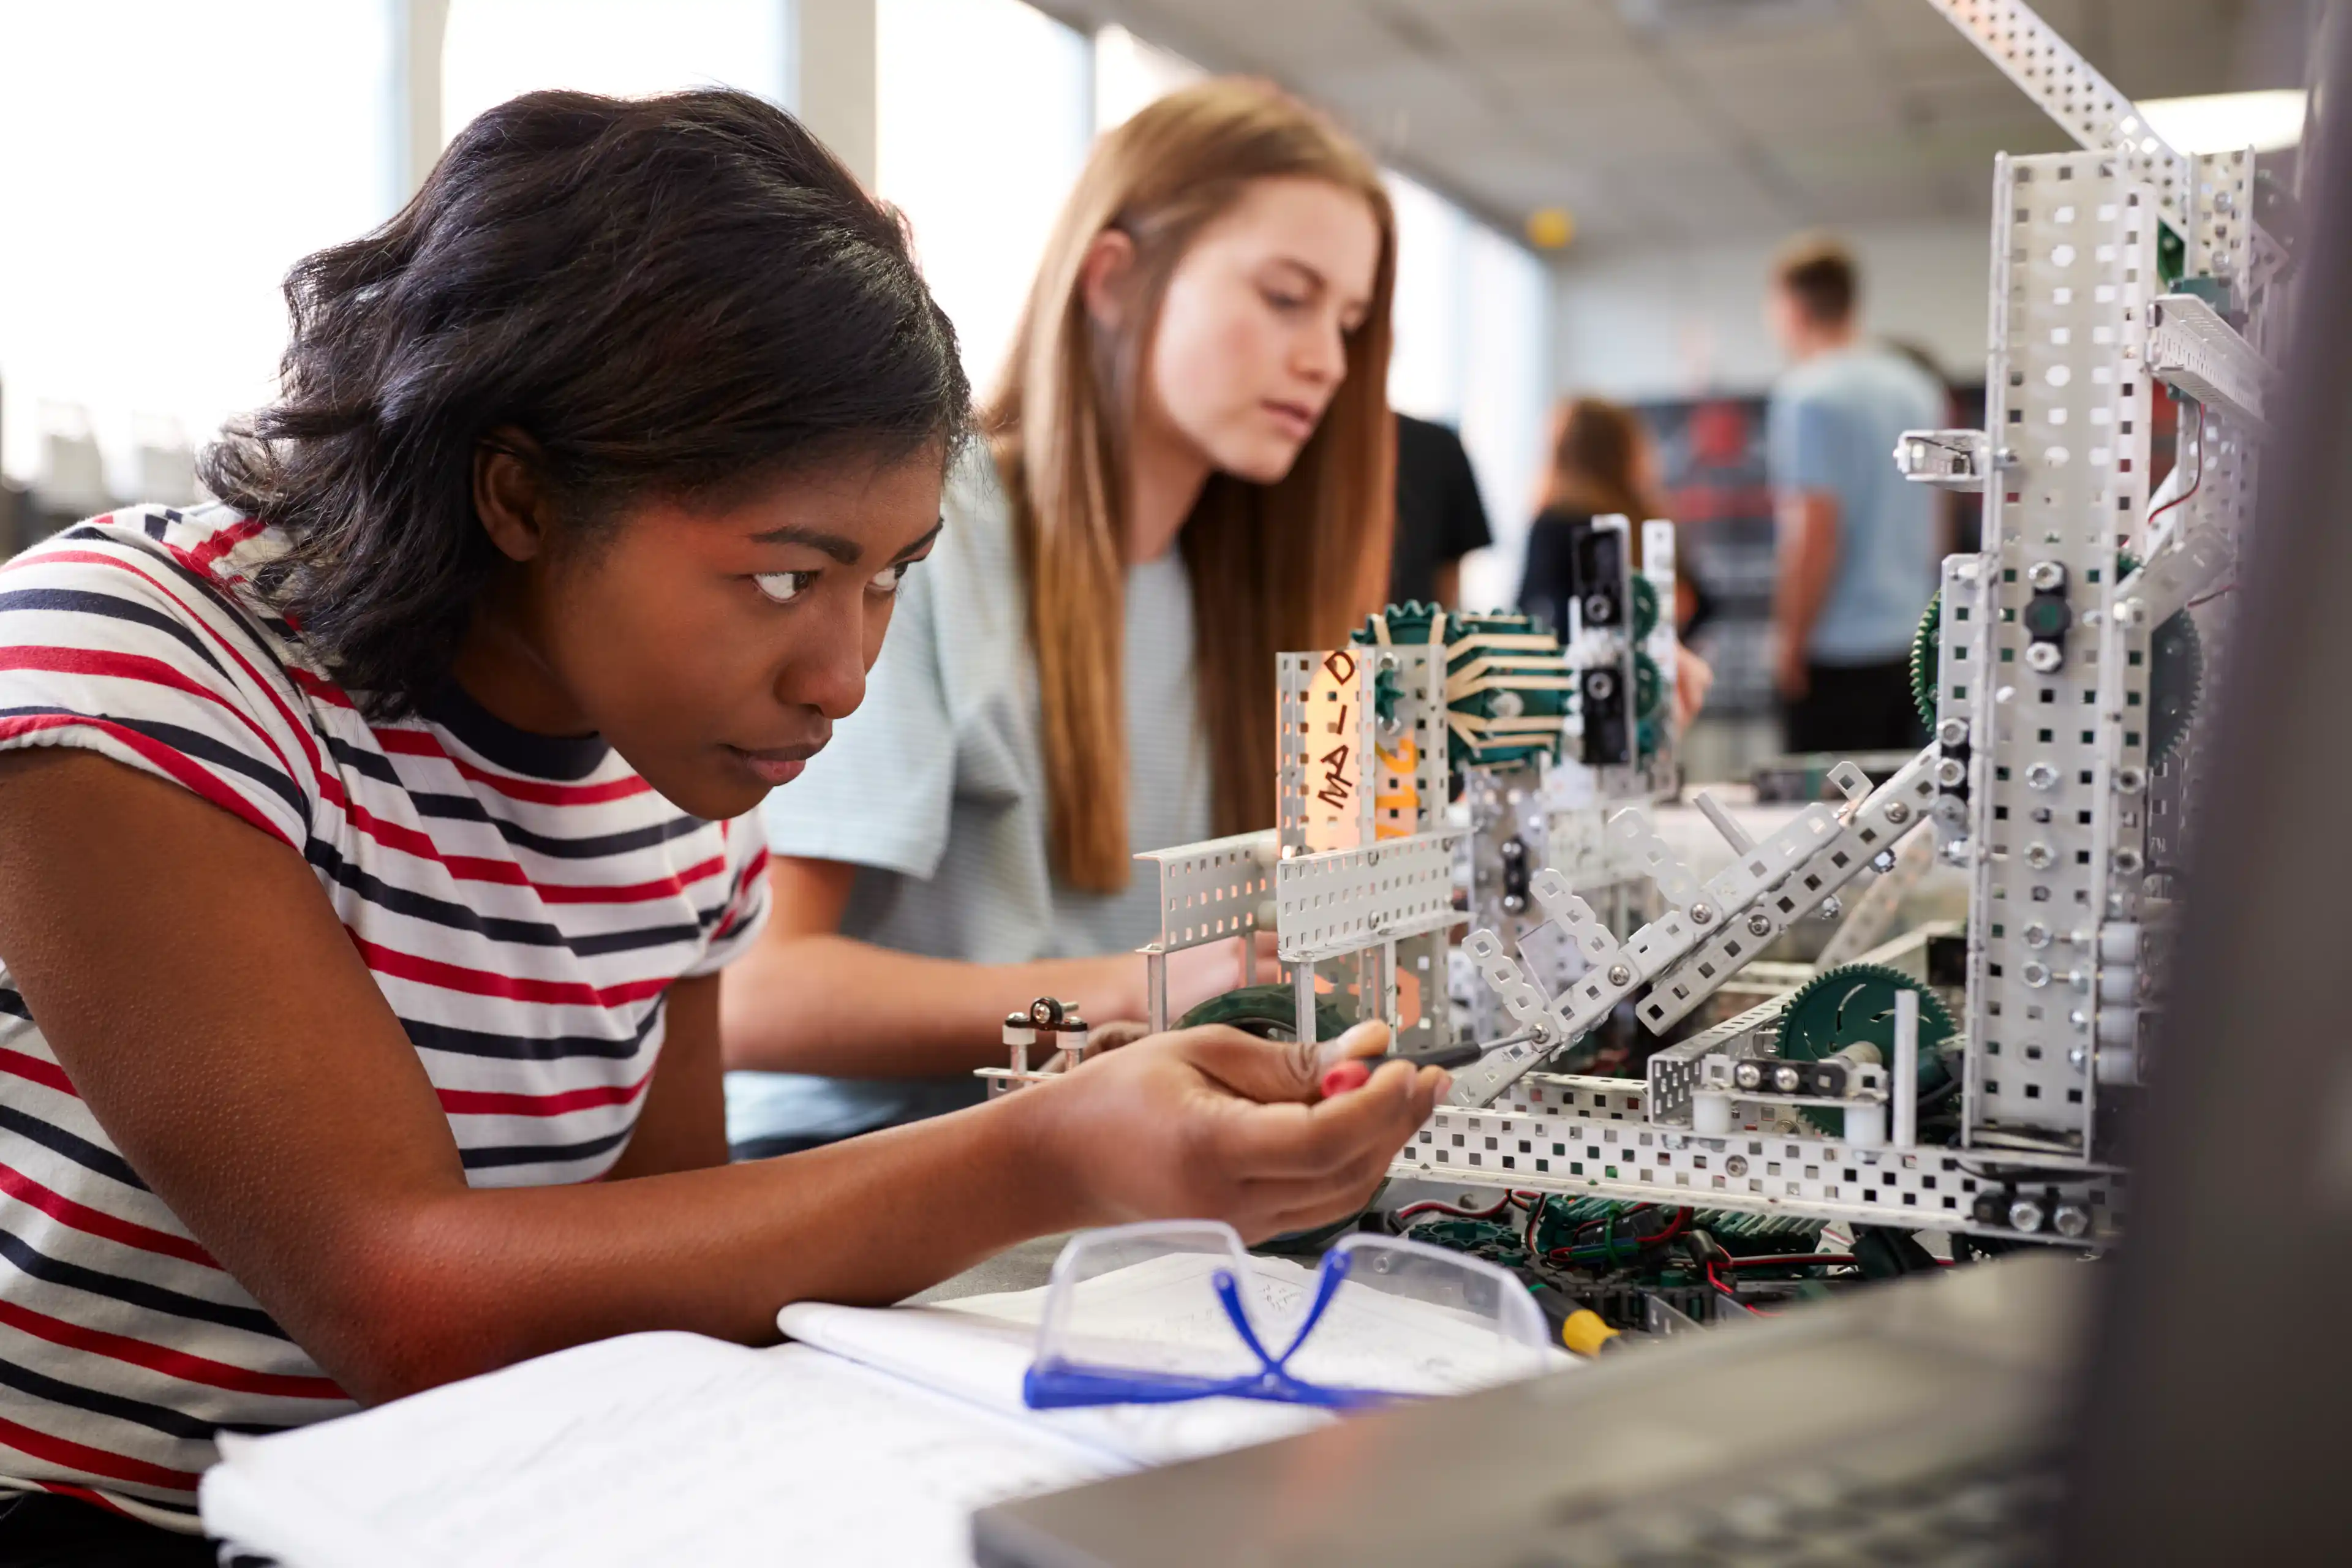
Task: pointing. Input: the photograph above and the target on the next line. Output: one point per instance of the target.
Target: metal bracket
(2193, 350)
(1948, 459)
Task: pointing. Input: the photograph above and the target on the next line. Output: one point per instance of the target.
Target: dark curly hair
(679, 296)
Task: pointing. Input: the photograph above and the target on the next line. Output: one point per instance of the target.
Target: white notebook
(871, 1441)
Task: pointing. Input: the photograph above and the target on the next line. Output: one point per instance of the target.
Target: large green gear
(2176, 671)
(1852, 1003)
(1415, 623)
(1269, 1012)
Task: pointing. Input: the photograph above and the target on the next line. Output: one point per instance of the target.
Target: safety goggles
(1170, 1310)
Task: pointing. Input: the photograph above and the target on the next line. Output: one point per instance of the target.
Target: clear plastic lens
(1410, 1318)
(1143, 1298)
(1404, 1318)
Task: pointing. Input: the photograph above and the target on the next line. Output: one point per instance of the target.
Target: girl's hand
(1212, 1123)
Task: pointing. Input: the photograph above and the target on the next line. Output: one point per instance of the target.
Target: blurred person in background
(1857, 542)
(1187, 471)
(1439, 516)
(1604, 462)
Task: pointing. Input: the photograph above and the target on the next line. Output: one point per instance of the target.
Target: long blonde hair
(1273, 567)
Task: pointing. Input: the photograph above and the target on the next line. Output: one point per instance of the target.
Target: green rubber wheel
(1269, 1012)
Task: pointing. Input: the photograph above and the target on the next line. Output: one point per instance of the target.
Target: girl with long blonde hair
(1187, 468)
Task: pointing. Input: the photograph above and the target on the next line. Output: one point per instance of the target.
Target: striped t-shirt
(523, 902)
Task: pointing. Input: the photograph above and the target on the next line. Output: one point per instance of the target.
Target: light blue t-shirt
(935, 789)
(1832, 426)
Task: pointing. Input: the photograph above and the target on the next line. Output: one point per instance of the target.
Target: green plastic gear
(2176, 679)
(1646, 608)
(1926, 646)
(2176, 670)
(1269, 1012)
(1648, 704)
(1413, 624)
(1852, 1003)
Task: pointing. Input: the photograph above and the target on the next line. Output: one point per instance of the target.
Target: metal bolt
(2130, 612)
(1509, 704)
(1897, 813)
(1747, 1075)
(2025, 1214)
(1511, 849)
(1599, 609)
(2043, 657)
(1959, 852)
(1883, 862)
(1787, 1080)
(2127, 861)
(1601, 684)
(2041, 776)
(1952, 810)
(2072, 1221)
(1386, 660)
(1513, 903)
(1736, 1166)
(1831, 908)
(2037, 935)
(2078, 1056)
(2040, 856)
(1702, 914)
(2046, 576)
(1759, 924)
(2130, 781)
(1951, 773)
(1620, 975)
(1952, 732)
(2035, 974)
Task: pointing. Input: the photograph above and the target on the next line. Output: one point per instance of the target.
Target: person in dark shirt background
(1604, 462)
(1439, 517)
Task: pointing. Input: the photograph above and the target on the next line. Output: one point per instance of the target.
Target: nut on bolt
(1950, 774)
(2043, 657)
(1701, 914)
(1620, 975)
(1747, 1075)
(2046, 576)
(1899, 812)
(1787, 1080)
(1759, 924)
(1952, 732)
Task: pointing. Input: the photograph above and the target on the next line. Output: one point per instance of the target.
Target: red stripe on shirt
(48, 1075)
(432, 971)
(199, 779)
(320, 686)
(222, 542)
(135, 667)
(92, 1461)
(171, 1363)
(97, 1221)
(88, 1495)
(489, 1102)
(295, 726)
(634, 892)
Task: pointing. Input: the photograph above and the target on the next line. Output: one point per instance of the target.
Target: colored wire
(1733, 1296)
(1431, 1206)
(1808, 1258)
(2194, 483)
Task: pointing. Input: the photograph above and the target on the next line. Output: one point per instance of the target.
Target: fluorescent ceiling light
(2226, 122)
